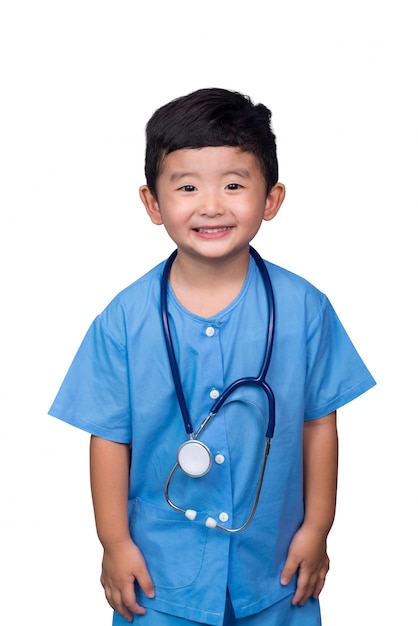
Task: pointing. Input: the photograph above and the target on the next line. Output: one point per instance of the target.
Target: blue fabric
(120, 387)
(281, 613)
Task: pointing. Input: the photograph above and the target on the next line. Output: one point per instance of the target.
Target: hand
(307, 555)
(122, 564)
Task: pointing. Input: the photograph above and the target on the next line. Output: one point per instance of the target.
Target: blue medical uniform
(120, 387)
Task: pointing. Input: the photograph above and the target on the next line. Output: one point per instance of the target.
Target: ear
(274, 201)
(151, 205)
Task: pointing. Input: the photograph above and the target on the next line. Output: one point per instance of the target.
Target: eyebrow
(176, 176)
(240, 172)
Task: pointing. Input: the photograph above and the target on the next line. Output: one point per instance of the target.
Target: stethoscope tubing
(169, 344)
(249, 380)
(259, 381)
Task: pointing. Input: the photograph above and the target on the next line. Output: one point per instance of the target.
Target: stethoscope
(194, 457)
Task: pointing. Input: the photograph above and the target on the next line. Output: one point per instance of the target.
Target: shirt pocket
(173, 546)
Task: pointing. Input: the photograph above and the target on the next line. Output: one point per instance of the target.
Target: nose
(211, 204)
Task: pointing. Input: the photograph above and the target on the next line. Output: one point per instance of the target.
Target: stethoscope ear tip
(190, 514)
(211, 523)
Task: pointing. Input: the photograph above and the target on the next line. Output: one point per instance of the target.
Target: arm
(307, 552)
(123, 563)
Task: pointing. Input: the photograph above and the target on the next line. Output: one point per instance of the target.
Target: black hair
(211, 117)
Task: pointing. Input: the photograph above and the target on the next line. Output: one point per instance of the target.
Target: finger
(319, 586)
(304, 588)
(130, 603)
(321, 579)
(114, 598)
(146, 584)
(126, 609)
(144, 580)
(288, 571)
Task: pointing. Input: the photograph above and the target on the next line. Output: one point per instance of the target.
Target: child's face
(212, 200)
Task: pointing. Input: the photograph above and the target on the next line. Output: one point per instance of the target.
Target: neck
(209, 286)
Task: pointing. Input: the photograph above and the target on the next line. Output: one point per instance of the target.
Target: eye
(188, 188)
(233, 186)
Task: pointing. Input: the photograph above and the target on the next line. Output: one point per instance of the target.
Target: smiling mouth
(213, 230)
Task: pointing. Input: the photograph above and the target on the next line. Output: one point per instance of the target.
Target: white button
(210, 331)
(214, 394)
(219, 459)
(224, 517)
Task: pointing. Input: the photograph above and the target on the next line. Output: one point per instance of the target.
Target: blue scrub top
(120, 387)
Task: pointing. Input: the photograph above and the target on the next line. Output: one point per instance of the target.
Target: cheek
(173, 219)
(254, 212)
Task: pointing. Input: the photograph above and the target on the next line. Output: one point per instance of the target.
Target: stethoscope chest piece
(194, 458)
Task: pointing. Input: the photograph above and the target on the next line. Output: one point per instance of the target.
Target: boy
(232, 529)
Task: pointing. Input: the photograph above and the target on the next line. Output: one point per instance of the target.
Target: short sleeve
(94, 395)
(335, 372)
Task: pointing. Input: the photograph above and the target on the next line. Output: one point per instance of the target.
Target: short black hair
(211, 117)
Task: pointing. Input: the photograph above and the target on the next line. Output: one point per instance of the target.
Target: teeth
(213, 230)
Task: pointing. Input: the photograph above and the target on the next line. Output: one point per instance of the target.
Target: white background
(78, 82)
